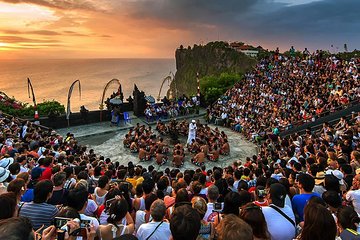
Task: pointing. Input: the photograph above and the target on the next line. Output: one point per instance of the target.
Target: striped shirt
(39, 213)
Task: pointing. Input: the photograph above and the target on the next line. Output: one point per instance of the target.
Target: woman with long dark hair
(115, 227)
(318, 223)
(252, 215)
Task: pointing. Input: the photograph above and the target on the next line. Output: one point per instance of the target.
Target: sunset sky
(155, 28)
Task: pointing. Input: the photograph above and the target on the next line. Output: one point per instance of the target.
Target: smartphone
(217, 207)
(84, 224)
(60, 222)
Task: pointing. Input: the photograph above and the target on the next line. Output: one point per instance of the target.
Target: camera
(61, 224)
(217, 207)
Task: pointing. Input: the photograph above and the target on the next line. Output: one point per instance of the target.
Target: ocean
(52, 78)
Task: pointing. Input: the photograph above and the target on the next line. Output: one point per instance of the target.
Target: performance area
(107, 141)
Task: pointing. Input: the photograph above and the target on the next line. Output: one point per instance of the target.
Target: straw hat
(320, 178)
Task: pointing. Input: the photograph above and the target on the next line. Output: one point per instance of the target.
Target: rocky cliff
(213, 59)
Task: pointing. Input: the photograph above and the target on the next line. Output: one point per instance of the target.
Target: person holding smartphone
(116, 227)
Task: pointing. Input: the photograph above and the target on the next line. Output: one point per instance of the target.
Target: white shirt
(23, 169)
(279, 227)
(91, 207)
(92, 220)
(354, 197)
(210, 215)
(140, 219)
(162, 233)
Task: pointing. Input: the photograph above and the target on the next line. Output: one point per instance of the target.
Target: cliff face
(212, 59)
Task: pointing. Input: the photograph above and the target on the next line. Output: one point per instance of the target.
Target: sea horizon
(93, 73)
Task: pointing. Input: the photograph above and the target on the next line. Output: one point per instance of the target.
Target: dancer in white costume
(192, 131)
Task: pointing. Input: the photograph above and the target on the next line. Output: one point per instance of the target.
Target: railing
(329, 117)
(8, 116)
(323, 114)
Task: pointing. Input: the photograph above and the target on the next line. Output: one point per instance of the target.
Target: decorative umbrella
(150, 99)
(116, 101)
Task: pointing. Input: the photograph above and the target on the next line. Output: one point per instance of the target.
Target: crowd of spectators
(171, 109)
(298, 187)
(282, 92)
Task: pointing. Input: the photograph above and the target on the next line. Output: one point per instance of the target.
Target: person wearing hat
(4, 179)
(279, 217)
(319, 183)
(192, 131)
(6, 162)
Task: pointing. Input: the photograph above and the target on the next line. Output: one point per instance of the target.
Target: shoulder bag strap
(18, 214)
(284, 215)
(154, 230)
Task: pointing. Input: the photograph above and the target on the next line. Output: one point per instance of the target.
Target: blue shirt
(299, 202)
(28, 196)
(39, 213)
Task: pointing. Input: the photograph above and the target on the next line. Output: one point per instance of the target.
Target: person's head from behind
(199, 204)
(7, 205)
(253, 216)
(77, 198)
(17, 186)
(17, 228)
(148, 185)
(277, 194)
(185, 223)
(213, 193)
(68, 212)
(158, 210)
(103, 182)
(318, 224)
(149, 199)
(347, 218)
(182, 196)
(232, 202)
(232, 227)
(306, 182)
(332, 199)
(43, 191)
(59, 179)
(245, 197)
(331, 183)
(117, 211)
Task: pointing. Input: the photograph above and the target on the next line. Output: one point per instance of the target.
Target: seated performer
(199, 159)
(144, 155)
(225, 149)
(214, 154)
(161, 159)
(134, 147)
(178, 159)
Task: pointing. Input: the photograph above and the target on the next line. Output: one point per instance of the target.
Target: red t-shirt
(46, 174)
